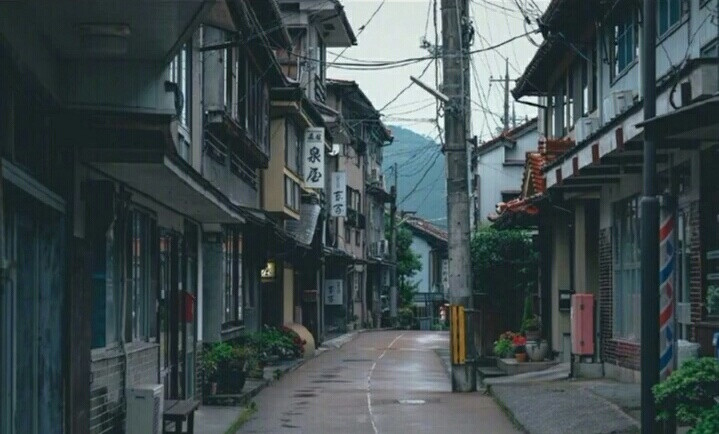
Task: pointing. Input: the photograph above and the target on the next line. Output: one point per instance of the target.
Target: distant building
(498, 168)
(430, 242)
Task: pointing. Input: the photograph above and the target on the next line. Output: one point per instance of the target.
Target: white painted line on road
(369, 384)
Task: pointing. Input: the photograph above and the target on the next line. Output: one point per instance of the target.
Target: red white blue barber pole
(667, 265)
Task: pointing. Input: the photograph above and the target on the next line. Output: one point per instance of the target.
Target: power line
(362, 27)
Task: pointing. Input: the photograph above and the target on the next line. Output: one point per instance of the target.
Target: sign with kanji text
(338, 192)
(333, 292)
(314, 158)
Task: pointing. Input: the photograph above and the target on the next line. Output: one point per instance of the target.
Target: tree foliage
(408, 264)
(504, 268)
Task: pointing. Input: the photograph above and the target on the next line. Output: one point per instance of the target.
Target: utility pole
(393, 247)
(505, 81)
(454, 64)
(649, 230)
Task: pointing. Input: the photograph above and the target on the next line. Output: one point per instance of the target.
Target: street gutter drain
(412, 401)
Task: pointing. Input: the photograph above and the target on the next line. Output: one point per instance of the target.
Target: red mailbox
(582, 318)
(189, 313)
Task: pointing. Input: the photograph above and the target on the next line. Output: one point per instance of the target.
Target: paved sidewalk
(556, 407)
(219, 419)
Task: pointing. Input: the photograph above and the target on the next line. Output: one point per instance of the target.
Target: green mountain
(421, 174)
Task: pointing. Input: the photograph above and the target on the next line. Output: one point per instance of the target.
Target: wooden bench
(178, 411)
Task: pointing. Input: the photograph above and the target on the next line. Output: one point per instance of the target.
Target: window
(624, 37)
(569, 102)
(585, 88)
(135, 251)
(669, 13)
(254, 104)
(293, 147)
(627, 270)
(181, 74)
(358, 237)
(348, 233)
(292, 194)
(683, 266)
(139, 263)
(232, 250)
(595, 78)
(231, 75)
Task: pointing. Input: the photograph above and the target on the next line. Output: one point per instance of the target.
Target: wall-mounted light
(269, 271)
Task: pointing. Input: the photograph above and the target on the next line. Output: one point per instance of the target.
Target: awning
(698, 122)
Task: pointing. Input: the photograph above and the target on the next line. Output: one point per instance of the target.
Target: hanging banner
(338, 199)
(333, 292)
(667, 247)
(314, 157)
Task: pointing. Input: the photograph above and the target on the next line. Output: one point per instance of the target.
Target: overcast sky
(395, 33)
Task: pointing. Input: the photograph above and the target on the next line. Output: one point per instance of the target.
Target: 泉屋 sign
(314, 158)
(338, 199)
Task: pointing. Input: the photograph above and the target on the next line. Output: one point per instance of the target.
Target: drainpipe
(649, 231)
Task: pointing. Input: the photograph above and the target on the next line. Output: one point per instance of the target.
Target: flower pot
(520, 357)
(537, 350)
(231, 379)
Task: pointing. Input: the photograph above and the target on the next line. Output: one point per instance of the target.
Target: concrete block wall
(107, 385)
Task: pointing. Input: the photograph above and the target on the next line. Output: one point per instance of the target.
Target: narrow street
(381, 382)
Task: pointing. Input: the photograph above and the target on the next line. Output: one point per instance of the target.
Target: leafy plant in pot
(504, 346)
(231, 362)
(531, 327)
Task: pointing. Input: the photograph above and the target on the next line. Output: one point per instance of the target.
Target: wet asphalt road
(381, 382)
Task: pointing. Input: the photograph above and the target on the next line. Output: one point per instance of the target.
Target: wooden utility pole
(455, 63)
(393, 247)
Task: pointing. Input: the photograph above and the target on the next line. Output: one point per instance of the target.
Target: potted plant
(531, 327)
(537, 350)
(520, 351)
(504, 346)
(208, 370)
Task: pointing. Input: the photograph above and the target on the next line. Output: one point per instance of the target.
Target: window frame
(670, 22)
(626, 301)
(233, 291)
(623, 19)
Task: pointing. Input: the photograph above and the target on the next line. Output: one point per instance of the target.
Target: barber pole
(667, 247)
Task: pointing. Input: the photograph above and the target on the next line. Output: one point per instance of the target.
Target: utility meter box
(582, 319)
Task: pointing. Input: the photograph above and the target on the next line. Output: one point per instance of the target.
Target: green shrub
(709, 422)
(692, 388)
(405, 315)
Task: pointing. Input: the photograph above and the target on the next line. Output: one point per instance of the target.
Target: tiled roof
(533, 182)
(427, 228)
(508, 136)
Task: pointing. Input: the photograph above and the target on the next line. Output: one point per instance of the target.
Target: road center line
(369, 384)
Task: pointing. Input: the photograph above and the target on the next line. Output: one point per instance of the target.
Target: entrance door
(178, 286)
(32, 302)
(169, 313)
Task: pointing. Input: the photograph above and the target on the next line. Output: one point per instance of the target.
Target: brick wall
(617, 352)
(696, 295)
(107, 409)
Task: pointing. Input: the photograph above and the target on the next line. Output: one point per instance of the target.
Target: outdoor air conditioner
(144, 409)
(617, 103)
(684, 313)
(584, 128)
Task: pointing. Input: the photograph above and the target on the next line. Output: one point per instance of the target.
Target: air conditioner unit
(584, 128)
(684, 313)
(617, 103)
(145, 405)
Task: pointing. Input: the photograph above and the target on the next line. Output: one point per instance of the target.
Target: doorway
(32, 300)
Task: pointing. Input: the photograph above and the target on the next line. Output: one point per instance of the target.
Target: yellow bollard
(457, 337)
